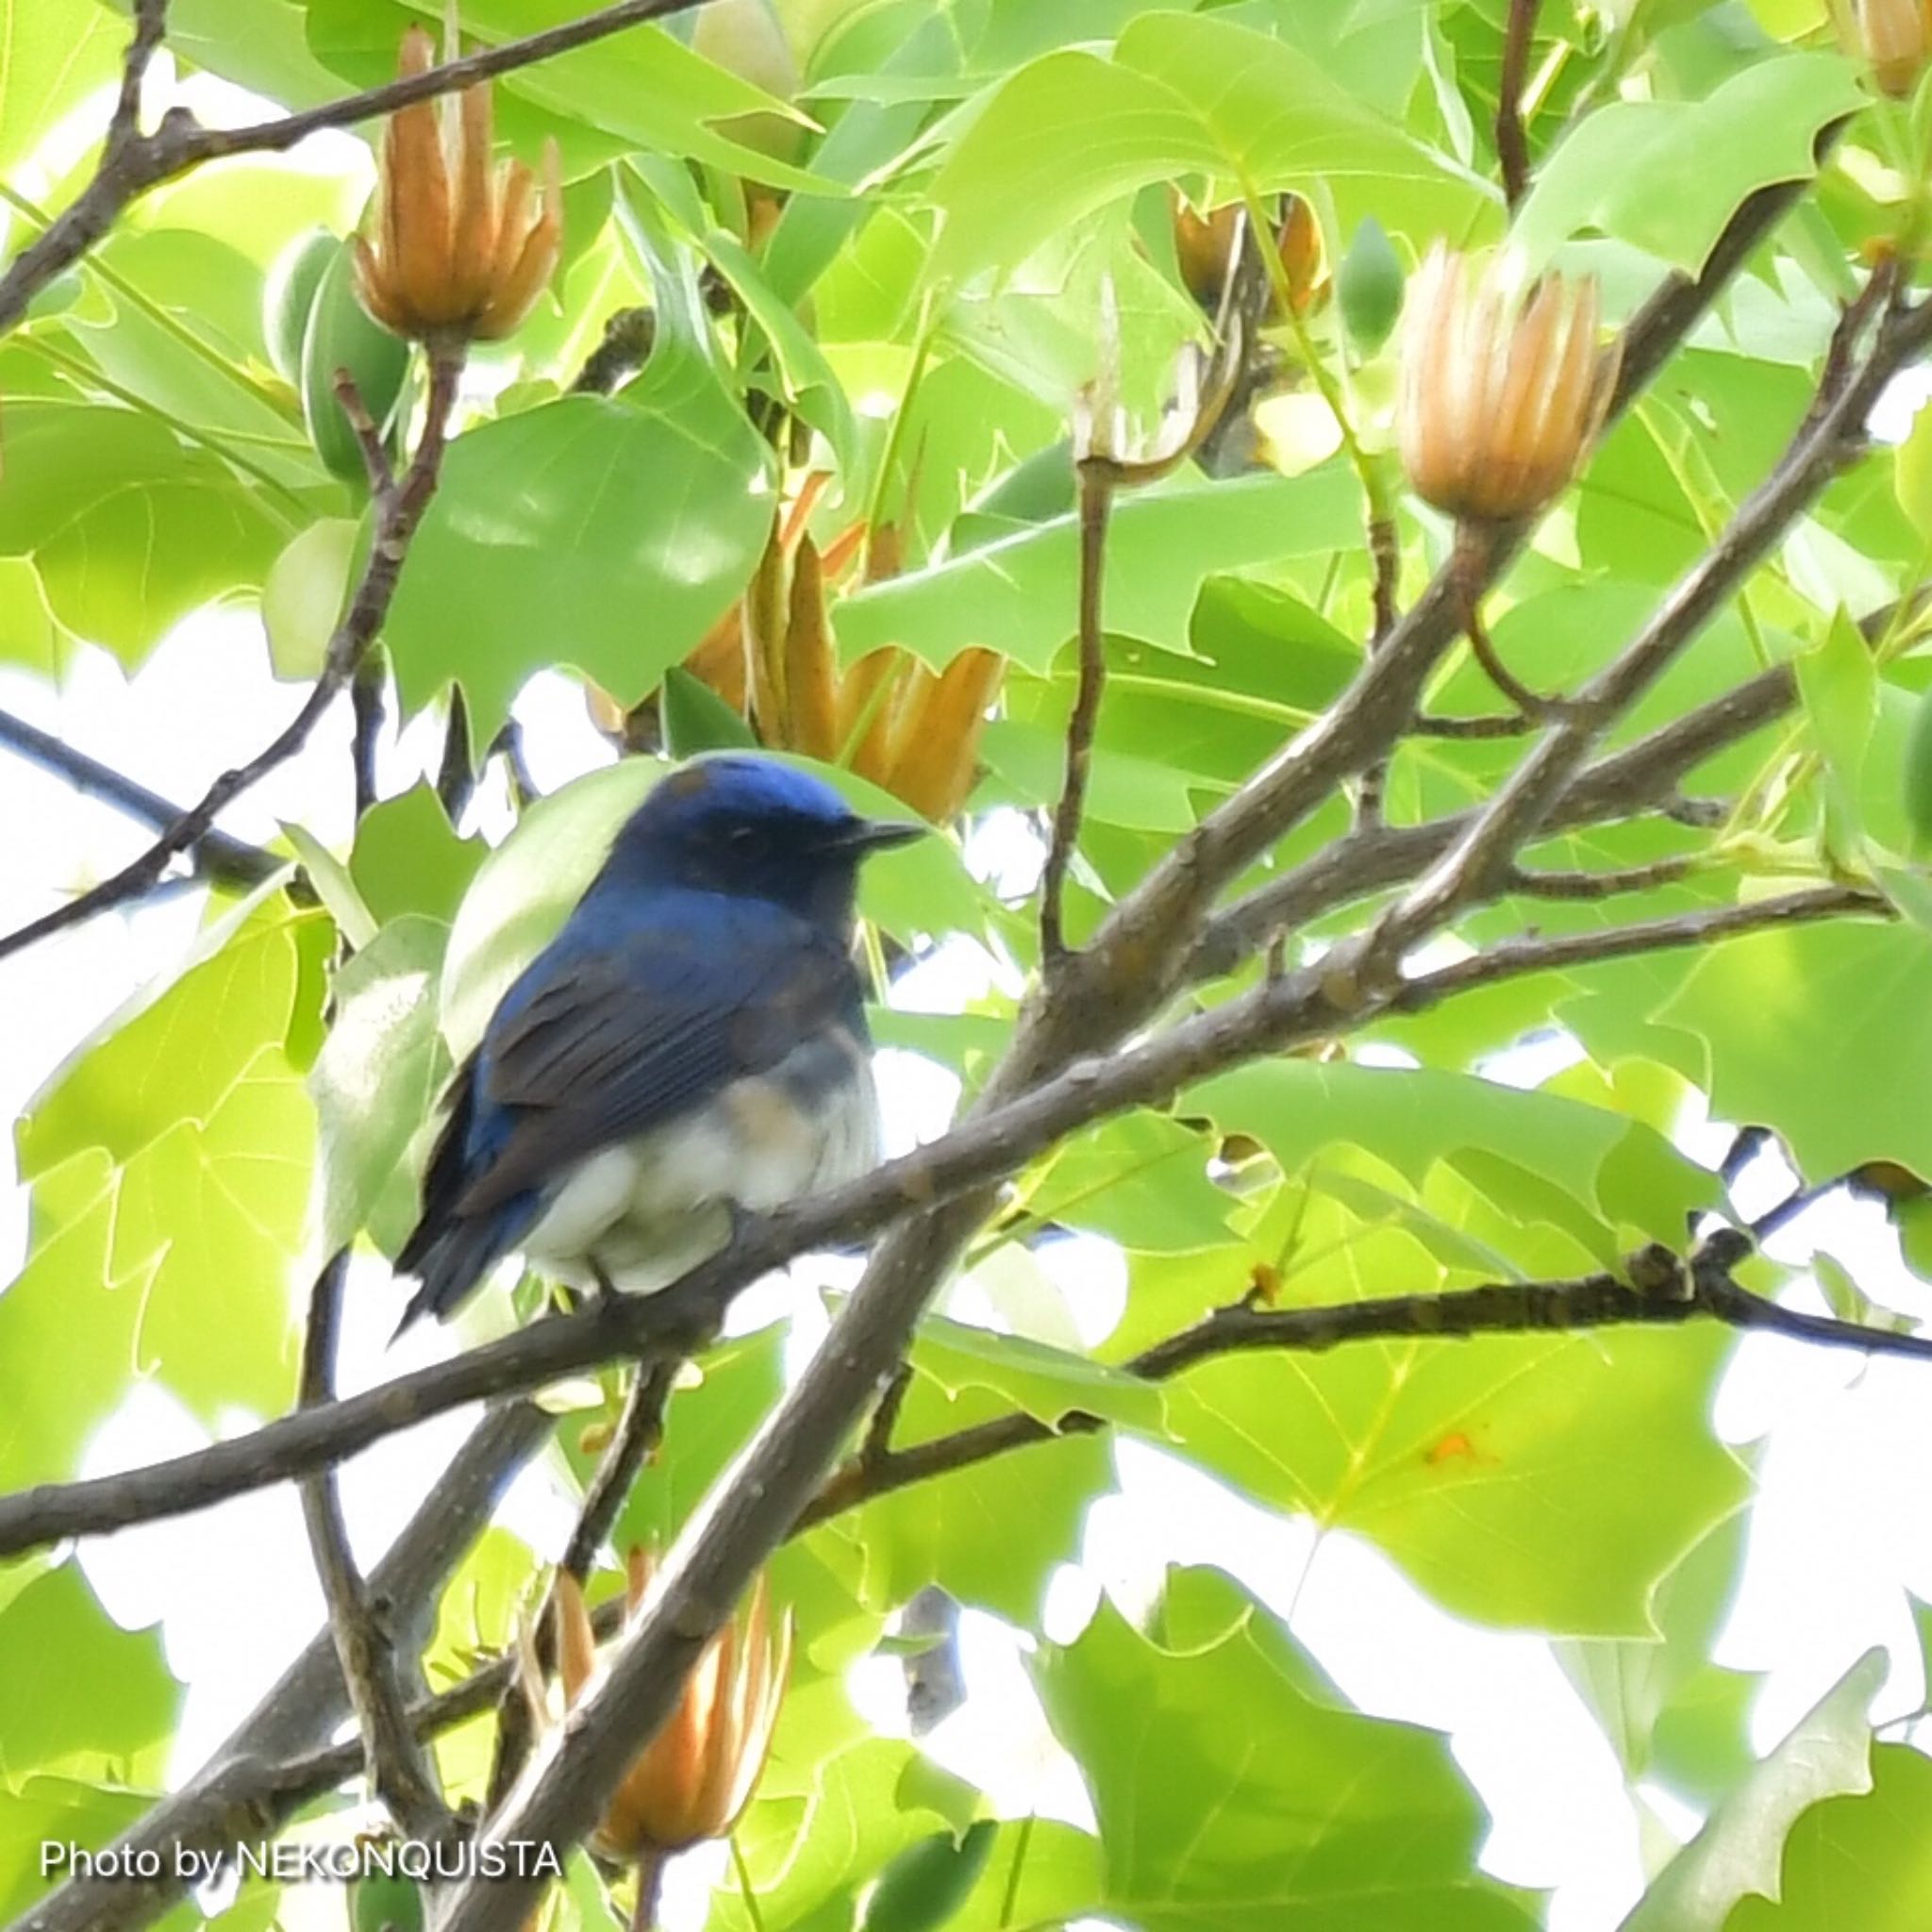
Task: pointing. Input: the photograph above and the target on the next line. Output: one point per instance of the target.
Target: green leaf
(1840, 687)
(304, 592)
(632, 526)
(1469, 1461)
(376, 1078)
(818, 1829)
(1302, 1815)
(1667, 175)
(1412, 1119)
(409, 859)
(57, 1811)
(1666, 1708)
(1848, 996)
(1140, 1179)
(1739, 1849)
(51, 58)
(1071, 132)
(96, 1693)
(1912, 475)
(1019, 592)
(198, 1105)
(1048, 1383)
(29, 634)
(130, 530)
(697, 719)
(926, 1885)
(1871, 1854)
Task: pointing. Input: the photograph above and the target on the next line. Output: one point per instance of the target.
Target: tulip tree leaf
(1022, 589)
(1666, 176)
(50, 58)
(1876, 1849)
(1181, 95)
(130, 530)
(633, 527)
(97, 1693)
(377, 1077)
(1303, 1813)
(199, 1104)
(1048, 1383)
(1851, 997)
(1739, 1851)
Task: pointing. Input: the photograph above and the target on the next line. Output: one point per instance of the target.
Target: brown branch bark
(278, 1757)
(1097, 479)
(1513, 150)
(399, 1772)
(639, 1429)
(215, 855)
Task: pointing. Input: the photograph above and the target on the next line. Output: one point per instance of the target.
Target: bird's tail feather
(449, 1264)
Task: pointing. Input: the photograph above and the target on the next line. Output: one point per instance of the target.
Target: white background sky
(1839, 1533)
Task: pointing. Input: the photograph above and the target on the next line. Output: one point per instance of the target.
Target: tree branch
(1655, 1288)
(1134, 961)
(639, 1429)
(132, 162)
(1512, 151)
(277, 1758)
(1824, 442)
(399, 508)
(399, 1772)
(1629, 782)
(216, 855)
(1097, 478)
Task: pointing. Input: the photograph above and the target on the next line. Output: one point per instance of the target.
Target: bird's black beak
(864, 836)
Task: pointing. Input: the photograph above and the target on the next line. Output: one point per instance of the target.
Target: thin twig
(399, 1771)
(1529, 703)
(1513, 150)
(1485, 724)
(216, 855)
(1098, 478)
(366, 700)
(1598, 885)
(885, 1417)
(133, 165)
(399, 509)
(640, 1428)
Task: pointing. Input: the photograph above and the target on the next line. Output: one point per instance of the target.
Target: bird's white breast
(647, 1210)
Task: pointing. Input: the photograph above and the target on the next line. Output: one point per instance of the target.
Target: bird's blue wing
(612, 1034)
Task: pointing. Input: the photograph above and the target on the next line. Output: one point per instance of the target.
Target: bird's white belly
(646, 1211)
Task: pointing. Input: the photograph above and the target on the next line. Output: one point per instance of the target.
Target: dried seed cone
(1501, 396)
(1894, 37)
(694, 1778)
(461, 247)
(937, 755)
(1204, 243)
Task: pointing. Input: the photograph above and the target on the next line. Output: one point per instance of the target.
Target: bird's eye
(748, 842)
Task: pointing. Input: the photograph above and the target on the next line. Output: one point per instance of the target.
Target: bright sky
(1838, 1536)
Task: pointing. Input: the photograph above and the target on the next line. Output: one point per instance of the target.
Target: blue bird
(691, 1045)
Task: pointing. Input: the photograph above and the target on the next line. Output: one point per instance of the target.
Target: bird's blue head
(750, 827)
